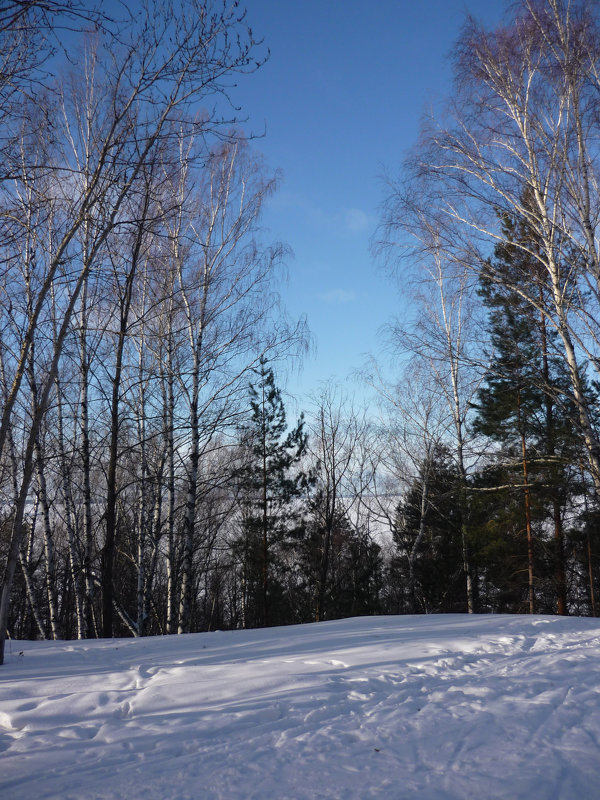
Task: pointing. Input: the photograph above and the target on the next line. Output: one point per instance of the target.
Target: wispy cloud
(338, 297)
(355, 220)
(346, 220)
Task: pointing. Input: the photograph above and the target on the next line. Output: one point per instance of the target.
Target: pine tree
(271, 481)
(524, 386)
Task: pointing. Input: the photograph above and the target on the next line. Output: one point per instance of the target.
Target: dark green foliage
(427, 537)
(354, 576)
(498, 538)
(522, 374)
(583, 557)
(271, 481)
(524, 410)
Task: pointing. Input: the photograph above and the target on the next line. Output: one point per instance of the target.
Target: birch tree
(164, 62)
(520, 138)
(411, 437)
(335, 431)
(226, 281)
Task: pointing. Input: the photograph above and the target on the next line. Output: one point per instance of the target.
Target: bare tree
(414, 429)
(335, 432)
(159, 66)
(225, 281)
(447, 341)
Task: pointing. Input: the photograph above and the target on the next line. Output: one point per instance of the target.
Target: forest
(151, 481)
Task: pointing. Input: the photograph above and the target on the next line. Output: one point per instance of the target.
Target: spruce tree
(271, 482)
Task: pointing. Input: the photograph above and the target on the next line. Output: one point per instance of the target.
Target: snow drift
(425, 707)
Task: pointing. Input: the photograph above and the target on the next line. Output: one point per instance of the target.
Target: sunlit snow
(429, 707)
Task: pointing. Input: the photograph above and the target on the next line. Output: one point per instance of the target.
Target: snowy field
(435, 708)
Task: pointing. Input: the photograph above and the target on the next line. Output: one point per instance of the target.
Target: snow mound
(434, 707)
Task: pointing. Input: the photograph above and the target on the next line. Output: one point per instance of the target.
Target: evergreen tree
(271, 482)
(427, 537)
(526, 385)
(354, 574)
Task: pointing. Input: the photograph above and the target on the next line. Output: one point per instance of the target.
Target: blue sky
(341, 98)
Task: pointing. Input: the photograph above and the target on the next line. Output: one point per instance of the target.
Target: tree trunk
(527, 499)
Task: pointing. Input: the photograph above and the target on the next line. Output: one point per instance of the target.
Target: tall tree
(336, 430)
(520, 139)
(525, 404)
(271, 480)
(83, 154)
(225, 282)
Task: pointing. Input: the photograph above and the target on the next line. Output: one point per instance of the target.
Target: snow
(428, 707)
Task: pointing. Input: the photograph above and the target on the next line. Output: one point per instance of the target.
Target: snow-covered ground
(434, 707)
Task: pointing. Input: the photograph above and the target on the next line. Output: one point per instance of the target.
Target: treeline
(149, 479)
(496, 216)
(245, 532)
(268, 523)
(135, 297)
